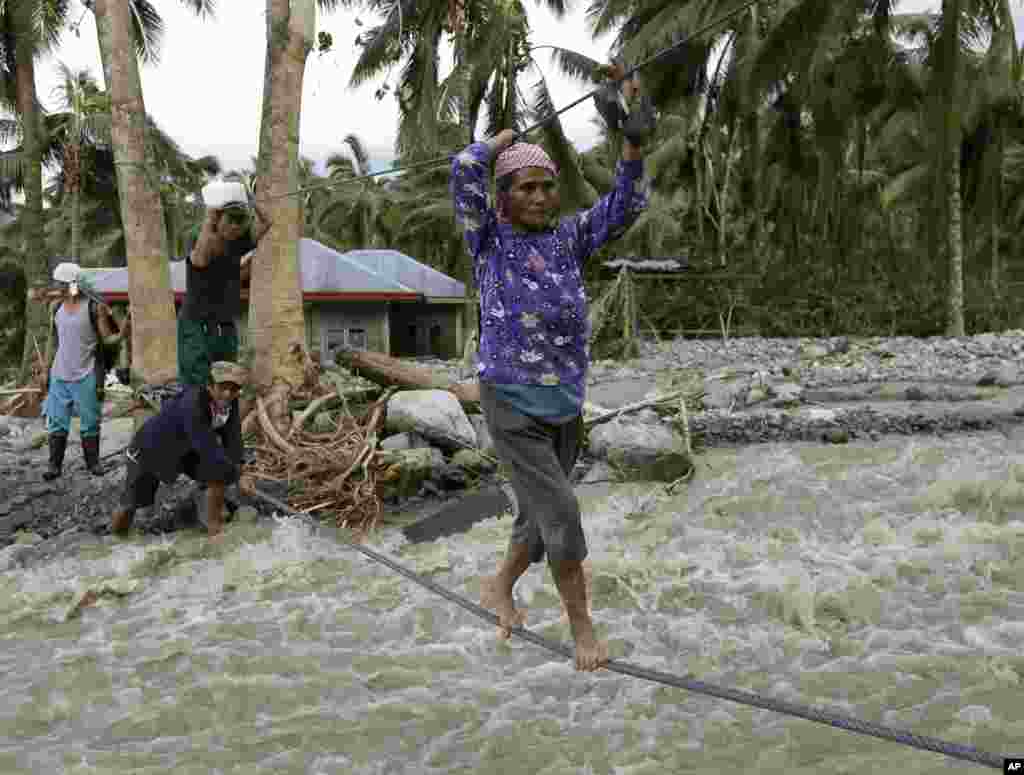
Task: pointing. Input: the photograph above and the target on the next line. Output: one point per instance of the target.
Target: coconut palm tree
(86, 120)
(491, 44)
(124, 31)
(276, 321)
(28, 29)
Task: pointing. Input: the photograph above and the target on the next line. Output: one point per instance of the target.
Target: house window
(335, 340)
(357, 338)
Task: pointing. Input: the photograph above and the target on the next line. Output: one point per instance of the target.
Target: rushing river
(885, 580)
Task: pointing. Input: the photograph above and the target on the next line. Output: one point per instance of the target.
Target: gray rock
(756, 395)
(722, 395)
(436, 414)
(484, 442)
(785, 393)
(812, 352)
(600, 473)
(641, 451)
(1004, 375)
(16, 556)
(407, 440)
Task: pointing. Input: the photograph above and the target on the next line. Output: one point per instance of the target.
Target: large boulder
(484, 442)
(642, 451)
(434, 414)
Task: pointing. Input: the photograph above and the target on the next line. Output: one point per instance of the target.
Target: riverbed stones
(641, 451)
(1004, 375)
(436, 414)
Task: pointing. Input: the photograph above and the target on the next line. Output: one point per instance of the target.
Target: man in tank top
(80, 324)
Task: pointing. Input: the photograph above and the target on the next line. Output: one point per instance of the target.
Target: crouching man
(198, 434)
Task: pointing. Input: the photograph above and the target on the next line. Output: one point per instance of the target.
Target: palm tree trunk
(263, 154)
(33, 239)
(76, 222)
(154, 338)
(276, 323)
(950, 65)
(956, 247)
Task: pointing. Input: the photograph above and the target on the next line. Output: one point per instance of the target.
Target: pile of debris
(27, 400)
(350, 439)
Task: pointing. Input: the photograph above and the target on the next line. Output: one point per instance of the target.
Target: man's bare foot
(493, 595)
(591, 653)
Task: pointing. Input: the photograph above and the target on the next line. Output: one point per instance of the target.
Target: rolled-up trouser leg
(540, 456)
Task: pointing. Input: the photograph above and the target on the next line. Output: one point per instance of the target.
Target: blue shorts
(63, 395)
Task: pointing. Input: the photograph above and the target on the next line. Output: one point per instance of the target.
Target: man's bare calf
(572, 582)
(496, 591)
(570, 579)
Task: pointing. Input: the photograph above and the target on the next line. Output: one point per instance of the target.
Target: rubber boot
(91, 453)
(121, 522)
(58, 443)
(123, 518)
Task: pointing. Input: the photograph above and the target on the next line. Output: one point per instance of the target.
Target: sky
(206, 90)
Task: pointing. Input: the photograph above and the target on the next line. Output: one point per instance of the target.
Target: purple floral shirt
(533, 307)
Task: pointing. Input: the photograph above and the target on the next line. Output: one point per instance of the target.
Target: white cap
(66, 272)
(218, 194)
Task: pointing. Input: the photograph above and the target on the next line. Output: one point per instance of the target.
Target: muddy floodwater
(883, 579)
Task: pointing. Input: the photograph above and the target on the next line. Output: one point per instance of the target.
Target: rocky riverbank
(744, 391)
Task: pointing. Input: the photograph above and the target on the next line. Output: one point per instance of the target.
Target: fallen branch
(632, 408)
(392, 372)
(19, 391)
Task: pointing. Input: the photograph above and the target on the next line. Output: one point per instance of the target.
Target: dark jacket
(181, 439)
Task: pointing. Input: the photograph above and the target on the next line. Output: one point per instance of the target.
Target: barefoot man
(534, 348)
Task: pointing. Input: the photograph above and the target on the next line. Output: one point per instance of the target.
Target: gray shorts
(540, 456)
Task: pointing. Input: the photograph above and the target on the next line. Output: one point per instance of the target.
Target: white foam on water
(264, 643)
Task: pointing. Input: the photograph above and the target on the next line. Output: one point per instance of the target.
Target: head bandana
(519, 156)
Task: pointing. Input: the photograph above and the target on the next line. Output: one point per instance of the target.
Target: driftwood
(631, 408)
(391, 372)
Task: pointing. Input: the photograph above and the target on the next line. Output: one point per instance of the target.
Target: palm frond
(577, 192)
(359, 153)
(573, 64)
(147, 30)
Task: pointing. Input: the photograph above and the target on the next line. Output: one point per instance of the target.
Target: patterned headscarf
(519, 156)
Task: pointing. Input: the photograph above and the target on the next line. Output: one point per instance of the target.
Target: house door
(435, 341)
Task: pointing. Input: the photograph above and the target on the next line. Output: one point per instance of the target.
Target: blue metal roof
(325, 270)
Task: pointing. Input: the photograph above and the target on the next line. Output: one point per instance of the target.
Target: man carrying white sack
(216, 266)
(81, 330)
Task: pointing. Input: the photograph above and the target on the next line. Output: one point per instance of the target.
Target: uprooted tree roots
(340, 470)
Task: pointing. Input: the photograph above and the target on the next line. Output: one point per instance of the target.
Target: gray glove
(637, 122)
